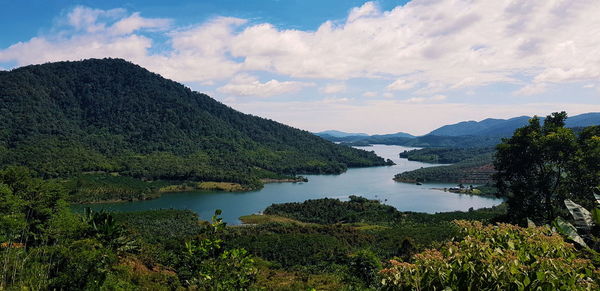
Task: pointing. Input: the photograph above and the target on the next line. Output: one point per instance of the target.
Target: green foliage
(540, 166)
(474, 170)
(212, 267)
(568, 230)
(331, 246)
(444, 155)
(289, 245)
(27, 205)
(45, 246)
(90, 188)
(502, 257)
(62, 119)
(363, 267)
(328, 211)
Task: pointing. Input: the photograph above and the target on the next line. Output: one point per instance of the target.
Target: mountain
(583, 120)
(506, 127)
(481, 128)
(337, 133)
(394, 135)
(334, 135)
(109, 115)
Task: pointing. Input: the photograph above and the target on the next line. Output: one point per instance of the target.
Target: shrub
(501, 257)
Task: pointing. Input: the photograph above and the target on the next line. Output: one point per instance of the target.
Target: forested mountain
(506, 127)
(109, 115)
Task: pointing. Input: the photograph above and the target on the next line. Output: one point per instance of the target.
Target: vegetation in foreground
(325, 244)
(500, 257)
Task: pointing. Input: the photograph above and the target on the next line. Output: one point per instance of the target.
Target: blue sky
(375, 67)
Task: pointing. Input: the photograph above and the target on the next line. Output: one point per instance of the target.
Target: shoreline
(288, 180)
(200, 187)
(466, 191)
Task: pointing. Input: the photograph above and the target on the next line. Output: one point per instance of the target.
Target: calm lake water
(372, 183)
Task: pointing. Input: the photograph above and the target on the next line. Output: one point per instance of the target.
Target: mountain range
(487, 132)
(505, 127)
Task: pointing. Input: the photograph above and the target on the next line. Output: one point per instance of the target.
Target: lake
(372, 183)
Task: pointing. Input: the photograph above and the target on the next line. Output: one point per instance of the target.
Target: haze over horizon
(356, 66)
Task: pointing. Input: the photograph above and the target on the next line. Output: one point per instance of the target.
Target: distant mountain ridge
(337, 133)
(465, 134)
(505, 127)
(340, 134)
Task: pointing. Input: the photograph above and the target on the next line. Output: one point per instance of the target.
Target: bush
(502, 257)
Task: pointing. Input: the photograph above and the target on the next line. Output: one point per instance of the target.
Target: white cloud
(370, 94)
(87, 19)
(247, 85)
(333, 88)
(400, 85)
(90, 33)
(388, 95)
(135, 22)
(589, 86)
(432, 99)
(368, 9)
(532, 89)
(441, 44)
(389, 115)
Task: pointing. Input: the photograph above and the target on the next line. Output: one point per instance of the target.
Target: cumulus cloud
(89, 33)
(247, 85)
(439, 44)
(389, 115)
(333, 88)
(400, 85)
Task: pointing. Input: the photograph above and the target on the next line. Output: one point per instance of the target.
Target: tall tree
(540, 166)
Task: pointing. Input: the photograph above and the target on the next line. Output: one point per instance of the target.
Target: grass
(221, 186)
(265, 219)
(366, 226)
(204, 186)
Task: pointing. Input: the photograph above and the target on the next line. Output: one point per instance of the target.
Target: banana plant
(583, 219)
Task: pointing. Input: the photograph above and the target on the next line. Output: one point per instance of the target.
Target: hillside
(475, 170)
(109, 115)
(444, 155)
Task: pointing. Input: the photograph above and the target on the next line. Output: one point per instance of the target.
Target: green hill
(111, 116)
(475, 170)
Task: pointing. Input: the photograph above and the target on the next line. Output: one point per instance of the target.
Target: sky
(358, 66)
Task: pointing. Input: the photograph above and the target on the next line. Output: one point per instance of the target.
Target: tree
(540, 166)
(212, 267)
